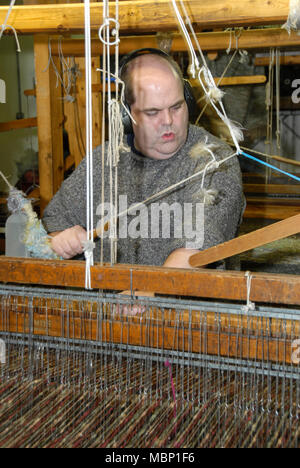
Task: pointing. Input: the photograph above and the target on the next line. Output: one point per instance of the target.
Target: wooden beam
(17, 124)
(263, 236)
(204, 283)
(146, 15)
(285, 60)
(235, 80)
(271, 208)
(50, 123)
(256, 39)
(264, 210)
(272, 189)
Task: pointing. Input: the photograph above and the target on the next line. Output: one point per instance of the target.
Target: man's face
(160, 112)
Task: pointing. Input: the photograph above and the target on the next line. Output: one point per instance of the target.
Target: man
(160, 155)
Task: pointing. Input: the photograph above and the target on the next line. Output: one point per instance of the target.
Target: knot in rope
(250, 305)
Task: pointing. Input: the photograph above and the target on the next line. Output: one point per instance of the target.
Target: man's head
(154, 90)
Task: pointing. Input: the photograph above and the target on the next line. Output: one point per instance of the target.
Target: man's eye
(151, 113)
(178, 106)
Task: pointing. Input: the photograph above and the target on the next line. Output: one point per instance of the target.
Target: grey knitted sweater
(179, 218)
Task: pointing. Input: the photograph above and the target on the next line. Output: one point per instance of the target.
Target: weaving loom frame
(277, 290)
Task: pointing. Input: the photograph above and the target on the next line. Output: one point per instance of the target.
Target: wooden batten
(146, 15)
(202, 283)
(256, 39)
(252, 240)
(18, 124)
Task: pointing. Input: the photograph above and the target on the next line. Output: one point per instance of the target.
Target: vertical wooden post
(50, 123)
(75, 112)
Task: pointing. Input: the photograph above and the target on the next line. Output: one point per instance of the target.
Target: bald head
(147, 67)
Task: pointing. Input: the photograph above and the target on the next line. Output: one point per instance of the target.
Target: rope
(5, 26)
(166, 190)
(213, 93)
(115, 126)
(270, 166)
(6, 180)
(278, 132)
(89, 244)
(250, 305)
(294, 15)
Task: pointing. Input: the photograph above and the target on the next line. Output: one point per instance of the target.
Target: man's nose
(167, 117)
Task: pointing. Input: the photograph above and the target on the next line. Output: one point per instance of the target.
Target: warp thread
(168, 365)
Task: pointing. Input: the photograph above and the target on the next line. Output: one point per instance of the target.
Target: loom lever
(280, 230)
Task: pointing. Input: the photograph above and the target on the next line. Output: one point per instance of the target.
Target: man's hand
(135, 309)
(180, 258)
(69, 243)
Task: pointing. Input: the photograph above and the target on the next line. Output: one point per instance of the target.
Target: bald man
(161, 153)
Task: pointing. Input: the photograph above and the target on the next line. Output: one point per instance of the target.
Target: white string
(115, 127)
(250, 305)
(5, 180)
(212, 91)
(293, 17)
(164, 191)
(195, 62)
(66, 70)
(278, 130)
(5, 26)
(88, 245)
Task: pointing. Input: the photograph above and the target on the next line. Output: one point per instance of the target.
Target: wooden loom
(231, 349)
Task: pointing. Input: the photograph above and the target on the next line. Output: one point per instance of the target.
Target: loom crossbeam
(144, 16)
(202, 283)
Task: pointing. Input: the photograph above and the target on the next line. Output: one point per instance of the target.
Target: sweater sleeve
(67, 207)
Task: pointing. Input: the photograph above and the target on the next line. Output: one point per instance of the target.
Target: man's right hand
(69, 243)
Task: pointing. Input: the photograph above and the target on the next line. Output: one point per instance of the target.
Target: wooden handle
(276, 231)
(97, 232)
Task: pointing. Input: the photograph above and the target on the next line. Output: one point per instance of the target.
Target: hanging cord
(294, 16)
(6, 180)
(269, 105)
(66, 77)
(209, 87)
(275, 157)
(219, 81)
(250, 305)
(101, 229)
(237, 36)
(270, 166)
(195, 63)
(5, 26)
(278, 131)
(109, 36)
(89, 244)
